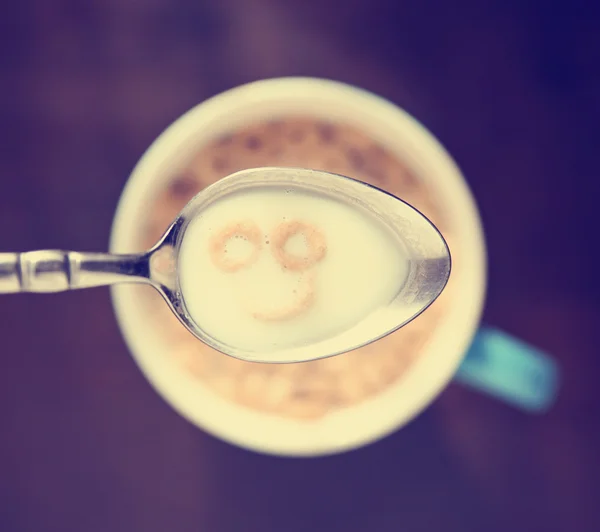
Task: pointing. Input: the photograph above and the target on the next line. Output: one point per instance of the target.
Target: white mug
(496, 363)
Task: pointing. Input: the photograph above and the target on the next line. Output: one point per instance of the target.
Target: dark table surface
(511, 88)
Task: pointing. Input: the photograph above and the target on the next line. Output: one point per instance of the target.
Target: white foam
(363, 268)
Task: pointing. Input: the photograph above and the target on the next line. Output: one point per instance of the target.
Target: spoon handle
(55, 271)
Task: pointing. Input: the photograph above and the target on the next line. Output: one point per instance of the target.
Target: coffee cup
(457, 347)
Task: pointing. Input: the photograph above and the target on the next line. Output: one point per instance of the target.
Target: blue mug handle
(511, 370)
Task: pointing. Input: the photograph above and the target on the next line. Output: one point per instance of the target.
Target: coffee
(313, 389)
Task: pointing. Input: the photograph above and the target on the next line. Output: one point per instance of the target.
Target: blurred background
(509, 87)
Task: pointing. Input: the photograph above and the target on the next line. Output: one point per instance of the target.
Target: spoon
(427, 252)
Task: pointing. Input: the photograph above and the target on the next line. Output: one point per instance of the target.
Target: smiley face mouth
(303, 299)
(301, 265)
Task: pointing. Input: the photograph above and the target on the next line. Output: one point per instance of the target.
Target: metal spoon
(428, 255)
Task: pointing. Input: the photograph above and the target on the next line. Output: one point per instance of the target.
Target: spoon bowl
(429, 261)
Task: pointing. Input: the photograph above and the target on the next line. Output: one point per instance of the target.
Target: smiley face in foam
(291, 261)
(274, 267)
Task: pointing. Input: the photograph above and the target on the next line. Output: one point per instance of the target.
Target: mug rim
(426, 380)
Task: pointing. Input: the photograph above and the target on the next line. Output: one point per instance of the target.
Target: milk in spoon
(281, 267)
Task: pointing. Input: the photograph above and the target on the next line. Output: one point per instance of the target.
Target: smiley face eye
(316, 246)
(231, 259)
